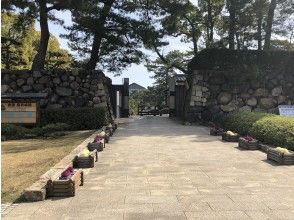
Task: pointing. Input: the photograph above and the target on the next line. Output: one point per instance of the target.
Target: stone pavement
(155, 168)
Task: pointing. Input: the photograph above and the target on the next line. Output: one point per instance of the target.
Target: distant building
(136, 87)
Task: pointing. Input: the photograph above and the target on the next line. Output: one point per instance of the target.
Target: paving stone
(259, 215)
(233, 215)
(155, 168)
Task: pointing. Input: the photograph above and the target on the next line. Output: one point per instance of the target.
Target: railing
(148, 111)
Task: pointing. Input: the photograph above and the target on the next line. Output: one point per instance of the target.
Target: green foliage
(243, 66)
(57, 58)
(282, 44)
(19, 46)
(276, 130)
(12, 132)
(109, 32)
(241, 122)
(76, 118)
(16, 47)
(153, 96)
(224, 59)
(268, 128)
(58, 121)
(49, 128)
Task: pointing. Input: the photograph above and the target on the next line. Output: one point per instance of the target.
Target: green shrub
(277, 130)
(268, 128)
(76, 118)
(241, 122)
(49, 128)
(11, 131)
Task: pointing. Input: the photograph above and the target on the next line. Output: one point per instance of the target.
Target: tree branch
(166, 61)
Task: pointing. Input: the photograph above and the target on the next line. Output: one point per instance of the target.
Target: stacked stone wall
(76, 88)
(215, 93)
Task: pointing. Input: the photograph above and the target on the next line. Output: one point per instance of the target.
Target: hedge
(13, 132)
(76, 118)
(49, 128)
(277, 130)
(226, 59)
(268, 128)
(241, 122)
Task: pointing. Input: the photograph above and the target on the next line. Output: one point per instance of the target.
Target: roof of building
(180, 78)
(135, 86)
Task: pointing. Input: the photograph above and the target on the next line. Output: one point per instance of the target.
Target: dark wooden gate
(180, 92)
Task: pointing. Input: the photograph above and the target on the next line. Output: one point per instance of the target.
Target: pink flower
(97, 140)
(248, 138)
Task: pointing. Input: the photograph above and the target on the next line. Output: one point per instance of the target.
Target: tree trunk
(210, 23)
(269, 24)
(232, 24)
(98, 36)
(94, 58)
(39, 60)
(207, 35)
(259, 37)
(238, 42)
(195, 46)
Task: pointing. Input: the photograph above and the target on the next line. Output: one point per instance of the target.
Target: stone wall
(223, 81)
(214, 93)
(76, 88)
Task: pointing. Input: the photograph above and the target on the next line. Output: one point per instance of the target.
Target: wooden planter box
(248, 145)
(109, 131)
(230, 138)
(96, 146)
(264, 147)
(105, 137)
(65, 188)
(216, 131)
(280, 158)
(85, 162)
(114, 126)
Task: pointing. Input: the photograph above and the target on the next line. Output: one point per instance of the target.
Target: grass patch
(24, 161)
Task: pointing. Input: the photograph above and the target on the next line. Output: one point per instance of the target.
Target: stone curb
(37, 191)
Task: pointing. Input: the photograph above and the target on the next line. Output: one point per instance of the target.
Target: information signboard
(22, 112)
(286, 110)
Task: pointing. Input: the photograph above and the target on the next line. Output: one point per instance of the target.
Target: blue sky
(136, 73)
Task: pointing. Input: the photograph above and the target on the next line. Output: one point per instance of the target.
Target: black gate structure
(177, 93)
(119, 97)
(180, 93)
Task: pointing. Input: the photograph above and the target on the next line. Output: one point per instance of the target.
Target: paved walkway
(154, 168)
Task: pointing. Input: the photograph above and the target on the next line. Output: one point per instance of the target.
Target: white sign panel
(286, 110)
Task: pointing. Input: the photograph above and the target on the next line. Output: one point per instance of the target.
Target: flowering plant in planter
(283, 150)
(215, 130)
(248, 138)
(97, 144)
(230, 136)
(65, 185)
(230, 133)
(248, 143)
(281, 155)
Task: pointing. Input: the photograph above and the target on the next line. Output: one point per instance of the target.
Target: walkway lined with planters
(155, 168)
